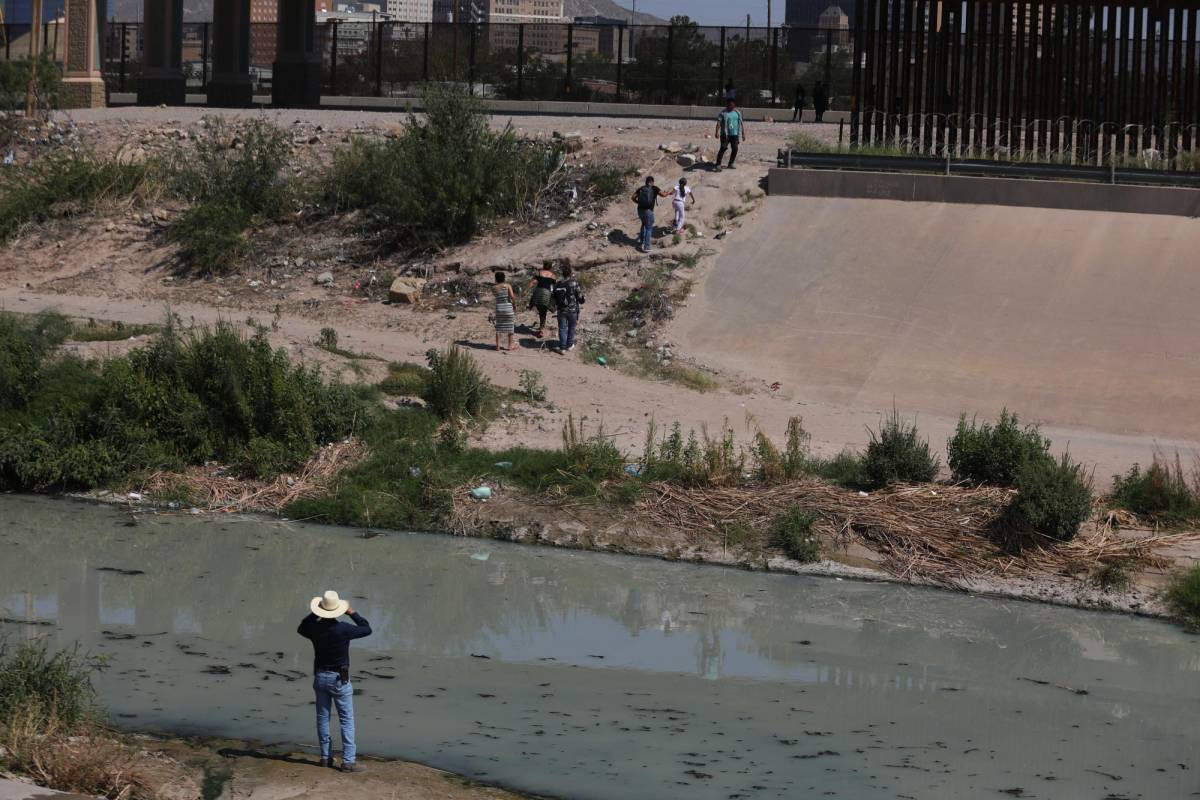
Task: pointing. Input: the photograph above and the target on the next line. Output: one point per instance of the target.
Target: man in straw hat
(331, 670)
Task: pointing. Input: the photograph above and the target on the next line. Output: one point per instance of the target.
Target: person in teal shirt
(732, 132)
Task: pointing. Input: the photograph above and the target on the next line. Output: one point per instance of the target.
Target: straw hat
(330, 606)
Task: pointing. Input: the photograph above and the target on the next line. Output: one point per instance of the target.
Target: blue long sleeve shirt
(331, 640)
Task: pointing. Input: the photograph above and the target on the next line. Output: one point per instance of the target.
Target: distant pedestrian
(801, 98)
(730, 93)
(646, 198)
(820, 101)
(542, 295)
(506, 310)
(331, 670)
(568, 298)
(732, 131)
(679, 196)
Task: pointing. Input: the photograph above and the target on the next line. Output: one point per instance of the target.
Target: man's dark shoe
(351, 767)
(327, 762)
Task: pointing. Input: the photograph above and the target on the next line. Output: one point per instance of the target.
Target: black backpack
(646, 196)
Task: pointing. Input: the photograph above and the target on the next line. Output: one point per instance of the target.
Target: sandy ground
(178, 769)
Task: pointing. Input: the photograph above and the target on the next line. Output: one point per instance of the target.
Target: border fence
(1082, 82)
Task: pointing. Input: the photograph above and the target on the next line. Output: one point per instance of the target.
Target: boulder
(406, 290)
(325, 278)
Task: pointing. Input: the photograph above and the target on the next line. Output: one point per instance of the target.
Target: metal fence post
(620, 58)
(774, 66)
(829, 61)
(721, 72)
(570, 55)
(471, 60)
(333, 59)
(425, 55)
(521, 61)
(204, 58)
(378, 58)
(124, 48)
(670, 62)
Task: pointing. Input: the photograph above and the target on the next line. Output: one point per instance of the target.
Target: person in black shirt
(331, 670)
(568, 297)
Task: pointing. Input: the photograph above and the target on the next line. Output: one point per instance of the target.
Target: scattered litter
(633, 470)
(721, 235)
(9, 158)
(602, 361)
(135, 497)
(482, 493)
(862, 494)
(503, 465)
(414, 472)
(480, 556)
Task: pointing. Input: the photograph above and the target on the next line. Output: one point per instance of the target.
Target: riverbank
(174, 768)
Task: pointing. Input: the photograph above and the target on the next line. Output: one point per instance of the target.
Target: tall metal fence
(1083, 82)
(662, 64)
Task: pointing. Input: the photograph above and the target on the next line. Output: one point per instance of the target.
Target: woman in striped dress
(506, 314)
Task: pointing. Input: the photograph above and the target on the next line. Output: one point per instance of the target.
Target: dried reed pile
(936, 533)
(221, 492)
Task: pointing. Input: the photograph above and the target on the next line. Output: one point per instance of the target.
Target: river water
(593, 676)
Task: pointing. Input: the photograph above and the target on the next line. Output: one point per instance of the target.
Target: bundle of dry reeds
(938, 533)
(221, 492)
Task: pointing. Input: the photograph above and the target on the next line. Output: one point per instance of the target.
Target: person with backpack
(568, 297)
(542, 294)
(679, 196)
(731, 131)
(646, 198)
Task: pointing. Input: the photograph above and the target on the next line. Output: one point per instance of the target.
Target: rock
(325, 278)
(685, 160)
(406, 290)
(572, 142)
(671, 147)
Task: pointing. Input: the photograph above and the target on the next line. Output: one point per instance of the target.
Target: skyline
(714, 12)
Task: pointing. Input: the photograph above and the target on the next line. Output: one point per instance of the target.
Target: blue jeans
(328, 690)
(566, 328)
(646, 215)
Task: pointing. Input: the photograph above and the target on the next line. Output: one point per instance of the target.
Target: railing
(660, 64)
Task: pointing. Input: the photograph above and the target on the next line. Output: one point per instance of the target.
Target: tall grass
(896, 452)
(1162, 492)
(1183, 597)
(456, 388)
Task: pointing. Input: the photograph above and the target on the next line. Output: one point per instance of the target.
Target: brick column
(162, 80)
(297, 74)
(230, 83)
(83, 81)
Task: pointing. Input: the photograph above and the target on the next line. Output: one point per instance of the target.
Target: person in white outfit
(679, 196)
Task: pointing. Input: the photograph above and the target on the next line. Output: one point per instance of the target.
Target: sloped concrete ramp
(1084, 321)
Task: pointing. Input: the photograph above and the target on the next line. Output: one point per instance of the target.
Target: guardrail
(986, 169)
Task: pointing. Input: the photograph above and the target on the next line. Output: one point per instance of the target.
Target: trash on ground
(482, 493)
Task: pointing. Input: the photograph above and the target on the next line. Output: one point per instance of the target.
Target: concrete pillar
(229, 86)
(162, 81)
(296, 81)
(83, 81)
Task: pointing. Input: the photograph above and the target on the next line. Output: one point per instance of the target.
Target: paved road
(1087, 322)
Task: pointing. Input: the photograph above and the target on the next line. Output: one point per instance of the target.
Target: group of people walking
(820, 102)
(548, 291)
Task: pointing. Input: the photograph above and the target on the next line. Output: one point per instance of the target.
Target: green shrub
(231, 188)
(457, 388)
(1112, 577)
(594, 457)
(93, 331)
(994, 454)
(24, 344)
(608, 180)
(1053, 497)
(443, 177)
(1183, 596)
(896, 453)
(405, 379)
(772, 466)
(1161, 492)
(532, 385)
(46, 688)
(845, 469)
(792, 530)
(183, 399)
(707, 461)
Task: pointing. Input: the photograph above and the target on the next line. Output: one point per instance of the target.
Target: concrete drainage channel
(985, 183)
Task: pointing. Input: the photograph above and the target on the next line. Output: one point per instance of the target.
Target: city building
(610, 36)
(410, 10)
(835, 26)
